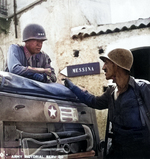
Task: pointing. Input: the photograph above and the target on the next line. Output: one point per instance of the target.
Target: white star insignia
(52, 112)
(1, 154)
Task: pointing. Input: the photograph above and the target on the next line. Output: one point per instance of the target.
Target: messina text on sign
(81, 70)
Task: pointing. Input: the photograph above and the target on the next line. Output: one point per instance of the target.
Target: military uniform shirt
(18, 62)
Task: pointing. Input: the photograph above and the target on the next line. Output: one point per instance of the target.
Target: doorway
(141, 63)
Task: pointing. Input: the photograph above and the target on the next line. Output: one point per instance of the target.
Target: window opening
(3, 7)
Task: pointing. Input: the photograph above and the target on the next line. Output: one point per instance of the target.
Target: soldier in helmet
(130, 134)
(29, 61)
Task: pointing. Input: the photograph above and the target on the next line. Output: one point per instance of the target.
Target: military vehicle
(39, 120)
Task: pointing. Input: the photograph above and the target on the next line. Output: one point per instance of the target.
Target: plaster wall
(122, 11)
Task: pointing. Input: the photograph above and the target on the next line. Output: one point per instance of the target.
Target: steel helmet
(121, 57)
(34, 31)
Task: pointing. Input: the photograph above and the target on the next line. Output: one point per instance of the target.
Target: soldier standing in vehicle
(28, 60)
(130, 136)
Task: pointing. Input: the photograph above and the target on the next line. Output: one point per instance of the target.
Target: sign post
(81, 70)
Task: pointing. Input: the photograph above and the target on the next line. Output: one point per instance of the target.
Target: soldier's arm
(15, 60)
(49, 70)
(97, 102)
